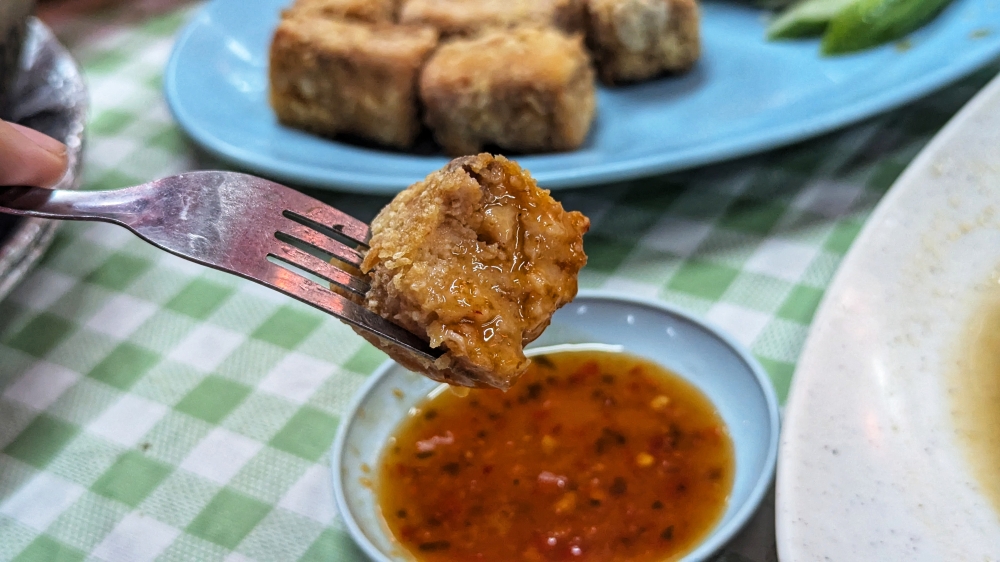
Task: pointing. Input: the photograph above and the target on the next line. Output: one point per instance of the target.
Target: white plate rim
(797, 405)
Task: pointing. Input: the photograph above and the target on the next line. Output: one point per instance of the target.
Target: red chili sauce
(591, 456)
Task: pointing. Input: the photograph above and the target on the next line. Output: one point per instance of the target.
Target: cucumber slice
(868, 23)
(806, 18)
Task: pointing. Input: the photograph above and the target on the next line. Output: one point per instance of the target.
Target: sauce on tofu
(592, 455)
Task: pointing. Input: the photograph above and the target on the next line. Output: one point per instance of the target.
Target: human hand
(28, 157)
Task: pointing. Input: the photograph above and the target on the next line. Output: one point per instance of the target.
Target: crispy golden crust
(637, 39)
(372, 11)
(467, 17)
(330, 77)
(524, 89)
(476, 258)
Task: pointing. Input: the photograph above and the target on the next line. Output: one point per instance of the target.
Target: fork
(234, 223)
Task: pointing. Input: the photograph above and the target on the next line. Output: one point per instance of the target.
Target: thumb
(28, 157)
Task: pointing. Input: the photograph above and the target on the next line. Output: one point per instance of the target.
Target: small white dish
(715, 363)
(871, 466)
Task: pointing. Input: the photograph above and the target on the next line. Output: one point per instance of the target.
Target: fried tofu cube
(336, 77)
(638, 39)
(466, 17)
(475, 258)
(524, 89)
(372, 11)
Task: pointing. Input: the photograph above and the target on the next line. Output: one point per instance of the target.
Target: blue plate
(744, 96)
(728, 374)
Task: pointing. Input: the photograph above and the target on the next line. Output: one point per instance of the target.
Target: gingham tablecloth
(151, 409)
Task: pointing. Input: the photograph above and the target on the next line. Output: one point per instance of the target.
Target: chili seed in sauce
(598, 456)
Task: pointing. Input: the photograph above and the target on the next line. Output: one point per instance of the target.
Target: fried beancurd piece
(467, 17)
(334, 77)
(634, 40)
(476, 258)
(523, 89)
(372, 11)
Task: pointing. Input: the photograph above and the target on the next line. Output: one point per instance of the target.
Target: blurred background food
(516, 75)
(848, 26)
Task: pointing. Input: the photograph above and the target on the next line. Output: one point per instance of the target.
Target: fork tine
(318, 267)
(314, 294)
(325, 215)
(322, 242)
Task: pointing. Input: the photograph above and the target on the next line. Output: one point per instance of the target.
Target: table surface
(151, 409)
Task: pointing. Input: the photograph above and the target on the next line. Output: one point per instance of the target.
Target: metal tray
(49, 95)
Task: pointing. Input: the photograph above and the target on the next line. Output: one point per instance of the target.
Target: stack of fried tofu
(514, 74)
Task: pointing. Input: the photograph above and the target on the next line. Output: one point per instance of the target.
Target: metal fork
(234, 222)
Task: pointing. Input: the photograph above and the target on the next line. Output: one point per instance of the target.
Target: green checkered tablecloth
(151, 409)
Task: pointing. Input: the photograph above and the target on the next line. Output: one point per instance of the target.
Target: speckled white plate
(871, 467)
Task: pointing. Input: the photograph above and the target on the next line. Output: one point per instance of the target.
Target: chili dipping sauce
(592, 455)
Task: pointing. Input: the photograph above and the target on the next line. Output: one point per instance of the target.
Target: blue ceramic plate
(745, 95)
(719, 367)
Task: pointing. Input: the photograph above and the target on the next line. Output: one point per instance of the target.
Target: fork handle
(106, 206)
